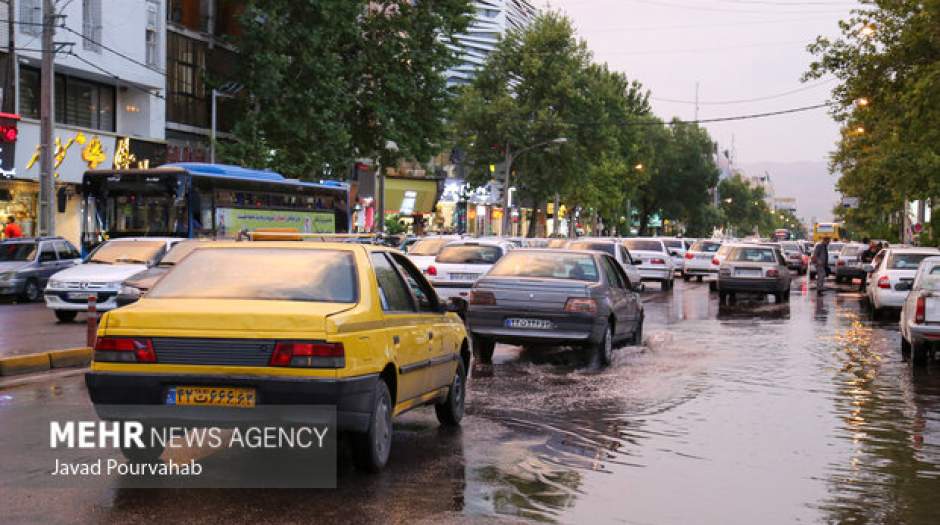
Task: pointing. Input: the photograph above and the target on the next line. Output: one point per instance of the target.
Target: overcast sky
(736, 50)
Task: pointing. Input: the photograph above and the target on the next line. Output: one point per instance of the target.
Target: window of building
(31, 17)
(78, 102)
(152, 34)
(91, 25)
(186, 65)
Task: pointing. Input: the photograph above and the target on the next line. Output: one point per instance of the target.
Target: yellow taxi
(242, 324)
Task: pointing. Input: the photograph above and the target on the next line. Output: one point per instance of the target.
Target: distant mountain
(810, 183)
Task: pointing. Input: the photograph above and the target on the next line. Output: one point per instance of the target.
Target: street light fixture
(510, 158)
(639, 167)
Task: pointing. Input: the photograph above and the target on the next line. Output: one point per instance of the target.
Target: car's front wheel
(65, 316)
(450, 412)
(371, 449)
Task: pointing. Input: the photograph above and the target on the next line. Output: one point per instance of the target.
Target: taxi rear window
(278, 274)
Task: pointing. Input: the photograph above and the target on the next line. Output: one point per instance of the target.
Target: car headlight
(6, 276)
(55, 284)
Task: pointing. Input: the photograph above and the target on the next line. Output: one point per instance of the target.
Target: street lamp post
(510, 158)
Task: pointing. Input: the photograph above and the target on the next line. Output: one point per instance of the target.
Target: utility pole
(696, 102)
(47, 120)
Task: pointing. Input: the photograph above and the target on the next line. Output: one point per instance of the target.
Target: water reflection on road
(755, 413)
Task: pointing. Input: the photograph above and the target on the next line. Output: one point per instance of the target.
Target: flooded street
(761, 413)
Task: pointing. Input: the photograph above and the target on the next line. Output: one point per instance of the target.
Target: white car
(891, 271)
(676, 249)
(423, 252)
(920, 315)
(461, 263)
(655, 262)
(102, 274)
(698, 260)
(618, 251)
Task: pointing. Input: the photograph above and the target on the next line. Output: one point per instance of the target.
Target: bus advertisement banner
(230, 221)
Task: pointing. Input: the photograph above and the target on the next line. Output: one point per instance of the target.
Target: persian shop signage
(75, 152)
(8, 136)
(230, 221)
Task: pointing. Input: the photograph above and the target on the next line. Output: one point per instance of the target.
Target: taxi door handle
(430, 335)
(396, 340)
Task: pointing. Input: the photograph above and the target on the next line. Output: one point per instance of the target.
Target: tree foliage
(887, 61)
(540, 84)
(330, 81)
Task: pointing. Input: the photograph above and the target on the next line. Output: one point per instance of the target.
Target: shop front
(412, 201)
(75, 151)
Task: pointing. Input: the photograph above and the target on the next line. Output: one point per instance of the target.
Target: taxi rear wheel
(371, 449)
(148, 454)
(450, 412)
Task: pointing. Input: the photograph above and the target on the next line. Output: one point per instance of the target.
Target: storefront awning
(409, 196)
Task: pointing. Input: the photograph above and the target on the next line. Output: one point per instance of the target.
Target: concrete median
(40, 362)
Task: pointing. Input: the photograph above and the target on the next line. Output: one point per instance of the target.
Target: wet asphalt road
(762, 413)
(26, 328)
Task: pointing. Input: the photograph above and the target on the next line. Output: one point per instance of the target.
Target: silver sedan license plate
(537, 324)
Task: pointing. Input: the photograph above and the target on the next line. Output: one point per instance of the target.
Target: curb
(25, 364)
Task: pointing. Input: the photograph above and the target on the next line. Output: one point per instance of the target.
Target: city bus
(831, 230)
(214, 201)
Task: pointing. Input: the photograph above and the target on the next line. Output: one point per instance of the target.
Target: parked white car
(102, 274)
(460, 263)
(618, 251)
(920, 315)
(891, 272)
(423, 252)
(655, 262)
(698, 260)
(676, 249)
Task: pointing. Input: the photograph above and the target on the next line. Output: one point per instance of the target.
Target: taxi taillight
(124, 350)
(308, 354)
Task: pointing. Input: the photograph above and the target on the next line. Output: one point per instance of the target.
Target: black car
(555, 297)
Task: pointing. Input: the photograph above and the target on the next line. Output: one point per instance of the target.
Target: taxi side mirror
(457, 306)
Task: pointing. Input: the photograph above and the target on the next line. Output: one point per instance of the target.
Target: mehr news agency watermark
(115, 435)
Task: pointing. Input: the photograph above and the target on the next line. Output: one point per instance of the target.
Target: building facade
(492, 20)
(109, 102)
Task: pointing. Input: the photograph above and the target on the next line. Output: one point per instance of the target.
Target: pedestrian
(866, 258)
(12, 229)
(821, 260)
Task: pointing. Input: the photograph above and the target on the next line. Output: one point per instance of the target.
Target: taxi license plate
(80, 296)
(538, 324)
(211, 396)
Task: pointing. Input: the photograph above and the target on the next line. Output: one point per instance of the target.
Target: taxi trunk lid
(216, 318)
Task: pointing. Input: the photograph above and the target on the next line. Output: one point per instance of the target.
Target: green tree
(887, 62)
(743, 207)
(681, 170)
(329, 81)
(539, 85)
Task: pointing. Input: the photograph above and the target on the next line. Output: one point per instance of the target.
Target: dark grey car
(27, 263)
(555, 297)
(754, 269)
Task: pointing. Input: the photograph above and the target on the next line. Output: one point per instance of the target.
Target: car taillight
(715, 261)
(482, 298)
(308, 354)
(432, 271)
(657, 261)
(884, 282)
(773, 272)
(124, 350)
(581, 305)
(840, 262)
(920, 312)
(689, 256)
